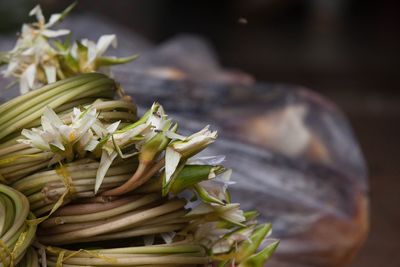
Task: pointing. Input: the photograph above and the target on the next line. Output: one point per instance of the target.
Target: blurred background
(346, 50)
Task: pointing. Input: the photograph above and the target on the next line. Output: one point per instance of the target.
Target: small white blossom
(229, 212)
(217, 186)
(139, 133)
(185, 148)
(94, 51)
(60, 138)
(33, 60)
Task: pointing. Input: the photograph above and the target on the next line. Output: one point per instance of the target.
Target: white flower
(152, 123)
(60, 138)
(229, 212)
(185, 148)
(217, 186)
(208, 233)
(231, 240)
(208, 160)
(94, 51)
(33, 60)
(43, 28)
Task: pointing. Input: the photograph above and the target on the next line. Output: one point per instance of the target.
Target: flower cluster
(66, 141)
(153, 139)
(40, 57)
(98, 173)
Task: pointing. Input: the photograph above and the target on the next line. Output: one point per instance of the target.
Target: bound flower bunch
(86, 182)
(41, 56)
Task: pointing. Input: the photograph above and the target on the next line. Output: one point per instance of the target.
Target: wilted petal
(104, 42)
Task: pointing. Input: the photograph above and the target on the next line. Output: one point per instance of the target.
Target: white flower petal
(92, 52)
(231, 213)
(29, 52)
(56, 33)
(49, 117)
(57, 143)
(104, 42)
(99, 129)
(23, 85)
(76, 112)
(74, 50)
(50, 72)
(113, 127)
(35, 139)
(53, 20)
(174, 136)
(201, 209)
(210, 160)
(91, 145)
(172, 159)
(37, 11)
(105, 163)
(68, 134)
(30, 74)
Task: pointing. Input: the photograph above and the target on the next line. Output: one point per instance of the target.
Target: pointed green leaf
(260, 258)
(109, 61)
(248, 247)
(189, 176)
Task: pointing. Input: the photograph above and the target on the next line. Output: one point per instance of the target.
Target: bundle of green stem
(129, 217)
(95, 90)
(180, 254)
(16, 233)
(31, 259)
(100, 176)
(48, 188)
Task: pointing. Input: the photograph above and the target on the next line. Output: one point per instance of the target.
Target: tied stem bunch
(108, 188)
(16, 233)
(41, 56)
(81, 102)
